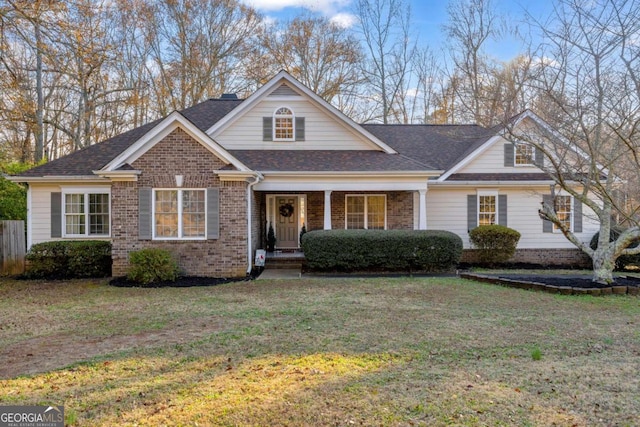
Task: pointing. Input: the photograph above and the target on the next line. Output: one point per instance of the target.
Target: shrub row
(69, 259)
(392, 250)
(495, 243)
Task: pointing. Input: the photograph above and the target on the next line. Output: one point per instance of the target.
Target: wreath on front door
(286, 210)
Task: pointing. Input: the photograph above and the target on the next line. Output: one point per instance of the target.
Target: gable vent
(283, 90)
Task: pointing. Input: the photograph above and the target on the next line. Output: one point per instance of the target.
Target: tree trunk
(39, 148)
(603, 265)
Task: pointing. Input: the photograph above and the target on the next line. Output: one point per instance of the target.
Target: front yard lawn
(332, 351)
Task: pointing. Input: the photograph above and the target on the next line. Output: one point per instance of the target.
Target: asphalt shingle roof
(326, 160)
(94, 157)
(441, 146)
(420, 147)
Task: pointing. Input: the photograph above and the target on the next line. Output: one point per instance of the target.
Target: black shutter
(508, 155)
(547, 226)
(299, 128)
(472, 211)
(56, 214)
(502, 209)
(539, 158)
(577, 216)
(213, 213)
(267, 129)
(144, 213)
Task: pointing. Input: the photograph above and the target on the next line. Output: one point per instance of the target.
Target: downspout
(257, 179)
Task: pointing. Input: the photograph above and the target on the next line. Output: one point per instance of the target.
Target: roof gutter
(433, 184)
(57, 178)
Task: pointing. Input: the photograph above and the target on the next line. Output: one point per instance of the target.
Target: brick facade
(573, 258)
(179, 154)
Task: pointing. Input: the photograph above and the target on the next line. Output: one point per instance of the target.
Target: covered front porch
(289, 213)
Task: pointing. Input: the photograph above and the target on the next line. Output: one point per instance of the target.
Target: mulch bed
(182, 282)
(568, 285)
(573, 281)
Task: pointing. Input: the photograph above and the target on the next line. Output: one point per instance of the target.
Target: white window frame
(557, 229)
(490, 193)
(180, 214)
(366, 213)
(523, 145)
(84, 191)
(291, 116)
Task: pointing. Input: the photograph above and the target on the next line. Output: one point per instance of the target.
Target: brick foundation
(572, 258)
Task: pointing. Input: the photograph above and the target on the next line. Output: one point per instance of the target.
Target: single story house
(206, 182)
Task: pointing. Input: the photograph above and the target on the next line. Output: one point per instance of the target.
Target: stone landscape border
(563, 290)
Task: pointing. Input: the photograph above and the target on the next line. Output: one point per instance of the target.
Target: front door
(287, 222)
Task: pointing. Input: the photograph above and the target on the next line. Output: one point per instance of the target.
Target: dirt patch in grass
(54, 351)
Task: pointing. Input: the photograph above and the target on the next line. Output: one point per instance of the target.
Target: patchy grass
(328, 351)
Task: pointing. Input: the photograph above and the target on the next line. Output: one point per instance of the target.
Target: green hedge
(495, 243)
(69, 259)
(151, 265)
(624, 260)
(389, 250)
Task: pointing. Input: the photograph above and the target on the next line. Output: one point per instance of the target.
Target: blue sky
(428, 17)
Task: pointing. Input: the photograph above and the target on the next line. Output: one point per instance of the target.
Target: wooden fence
(12, 247)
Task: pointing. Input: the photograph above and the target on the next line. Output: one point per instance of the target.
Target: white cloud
(412, 93)
(326, 7)
(344, 20)
(544, 61)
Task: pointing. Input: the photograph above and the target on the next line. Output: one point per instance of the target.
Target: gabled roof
(162, 129)
(400, 147)
(274, 83)
(95, 157)
(440, 146)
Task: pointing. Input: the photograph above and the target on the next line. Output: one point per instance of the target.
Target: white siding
(40, 214)
(322, 131)
(447, 210)
(492, 161)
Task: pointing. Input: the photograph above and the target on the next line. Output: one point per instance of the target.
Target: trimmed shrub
(624, 260)
(388, 250)
(148, 266)
(495, 243)
(69, 259)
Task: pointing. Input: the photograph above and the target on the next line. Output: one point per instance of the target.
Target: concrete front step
(282, 265)
(284, 260)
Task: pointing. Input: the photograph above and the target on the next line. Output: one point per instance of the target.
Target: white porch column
(327, 209)
(422, 210)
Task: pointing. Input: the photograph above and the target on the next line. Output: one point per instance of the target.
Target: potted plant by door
(271, 239)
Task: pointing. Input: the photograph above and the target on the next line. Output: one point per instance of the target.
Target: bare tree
(472, 23)
(590, 85)
(26, 27)
(196, 46)
(322, 55)
(385, 30)
(429, 79)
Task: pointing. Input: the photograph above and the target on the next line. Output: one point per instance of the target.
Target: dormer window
(283, 125)
(524, 154)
